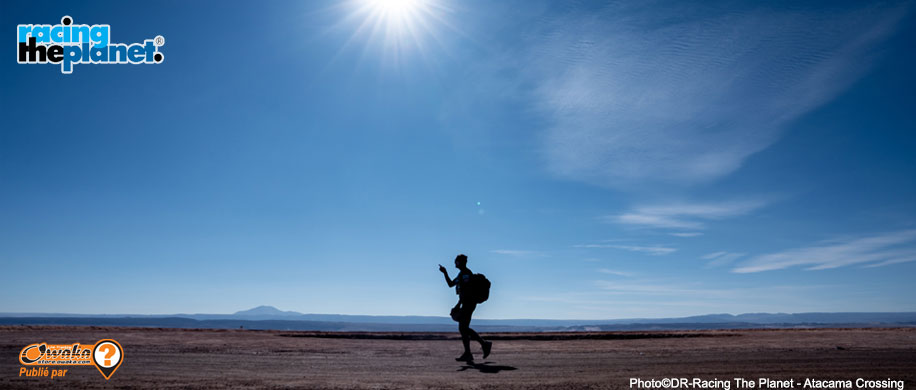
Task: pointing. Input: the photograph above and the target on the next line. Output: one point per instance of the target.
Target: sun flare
(400, 27)
(395, 9)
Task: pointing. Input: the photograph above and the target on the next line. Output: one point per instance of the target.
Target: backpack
(477, 289)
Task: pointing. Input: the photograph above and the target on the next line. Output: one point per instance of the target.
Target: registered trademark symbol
(159, 41)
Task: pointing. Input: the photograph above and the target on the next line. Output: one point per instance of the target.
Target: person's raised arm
(445, 273)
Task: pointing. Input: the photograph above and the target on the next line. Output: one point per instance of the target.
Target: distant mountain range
(269, 317)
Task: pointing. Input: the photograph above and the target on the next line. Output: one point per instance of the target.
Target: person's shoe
(487, 345)
(466, 357)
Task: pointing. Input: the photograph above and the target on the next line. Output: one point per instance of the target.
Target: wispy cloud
(682, 290)
(652, 250)
(722, 258)
(713, 255)
(519, 253)
(613, 272)
(683, 215)
(669, 298)
(686, 234)
(878, 250)
(685, 92)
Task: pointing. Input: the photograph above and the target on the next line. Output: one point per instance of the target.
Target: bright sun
(399, 15)
(395, 9)
(400, 26)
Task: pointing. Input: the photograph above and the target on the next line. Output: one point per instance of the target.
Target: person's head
(461, 261)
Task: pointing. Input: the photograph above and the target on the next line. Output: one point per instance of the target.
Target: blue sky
(627, 159)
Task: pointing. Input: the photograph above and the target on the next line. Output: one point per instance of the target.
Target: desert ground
(216, 359)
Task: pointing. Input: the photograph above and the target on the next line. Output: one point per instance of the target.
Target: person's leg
(468, 312)
(486, 346)
(464, 323)
(464, 329)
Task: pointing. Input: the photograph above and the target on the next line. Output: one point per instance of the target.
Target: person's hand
(442, 269)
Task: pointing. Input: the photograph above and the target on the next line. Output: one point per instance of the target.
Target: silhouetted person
(465, 309)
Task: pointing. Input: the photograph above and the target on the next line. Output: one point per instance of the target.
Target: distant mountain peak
(265, 310)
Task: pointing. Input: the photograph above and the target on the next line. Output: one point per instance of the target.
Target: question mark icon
(109, 352)
(107, 355)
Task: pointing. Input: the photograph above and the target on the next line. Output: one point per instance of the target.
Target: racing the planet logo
(69, 44)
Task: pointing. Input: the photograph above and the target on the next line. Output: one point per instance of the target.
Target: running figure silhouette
(463, 311)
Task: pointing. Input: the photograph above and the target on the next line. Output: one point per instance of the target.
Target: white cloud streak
(684, 93)
(651, 250)
(722, 258)
(518, 253)
(613, 272)
(878, 250)
(683, 215)
(682, 290)
(686, 234)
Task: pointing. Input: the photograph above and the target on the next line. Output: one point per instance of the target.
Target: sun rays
(399, 30)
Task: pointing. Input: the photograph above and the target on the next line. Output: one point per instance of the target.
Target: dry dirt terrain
(180, 358)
